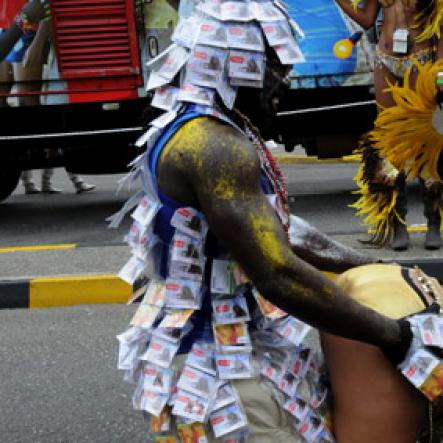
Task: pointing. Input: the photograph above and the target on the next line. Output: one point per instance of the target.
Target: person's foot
(48, 188)
(30, 188)
(81, 187)
(400, 241)
(433, 237)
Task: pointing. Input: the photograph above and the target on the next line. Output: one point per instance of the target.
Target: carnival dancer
(410, 32)
(211, 230)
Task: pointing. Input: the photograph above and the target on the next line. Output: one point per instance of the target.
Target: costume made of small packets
(218, 46)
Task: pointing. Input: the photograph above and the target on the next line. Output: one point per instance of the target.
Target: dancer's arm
(365, 16)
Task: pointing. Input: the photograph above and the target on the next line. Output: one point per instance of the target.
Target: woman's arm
(34, 54)
(365, 16)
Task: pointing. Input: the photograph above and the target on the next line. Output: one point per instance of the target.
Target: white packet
(186, 271)
(239, 11)
(234, 366)
(165, 97)
(157, 379)
(310, 427)
(164, 119)
(186, 249)
(201, 357)
(222, 277)
(277, 33)
(169, 62)
(196, 94)
(246, 65)
(265, 11)
(186, 32)
(225, 395)
(293, 330)
(272, 370)
(184, 294)
(208, 60)
(202, 79)
(160, 352)
(211, 8)
(128, 355)
(230, 310)
(431, 329)
(132, 270)
(245, 36)
(213, 33)
(155, 293)
(176, 318)
(302, 361)
(153, 402)
(228, 419)
(289, 53)
(145, 316)
(236, 82)
(289, 384)
(297, 407)
(190, 221)
(173, 335)
(145, 212)
(198, 382)
(190, 406)
(226, 91)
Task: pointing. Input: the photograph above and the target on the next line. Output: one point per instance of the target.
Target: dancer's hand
(34, 10)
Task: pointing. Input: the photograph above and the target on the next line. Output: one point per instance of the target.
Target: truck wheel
(8, 182)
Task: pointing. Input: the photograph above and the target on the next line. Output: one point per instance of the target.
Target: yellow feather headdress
(404, 134)
(429, 20)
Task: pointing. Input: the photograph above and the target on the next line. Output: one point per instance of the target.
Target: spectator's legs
(79, 185)
(28, 183)
(47, 186)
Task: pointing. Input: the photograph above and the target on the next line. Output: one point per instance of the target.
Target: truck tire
(8, 182)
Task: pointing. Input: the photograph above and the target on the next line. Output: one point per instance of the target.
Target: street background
(59, 381)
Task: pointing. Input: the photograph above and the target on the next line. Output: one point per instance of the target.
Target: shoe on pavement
(81, 187)
(48, 188)
(30, 188)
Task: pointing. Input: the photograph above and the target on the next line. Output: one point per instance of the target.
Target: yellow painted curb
(38, 248)
(291, 159)
(82, 290)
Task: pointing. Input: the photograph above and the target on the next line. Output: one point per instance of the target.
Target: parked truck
(84, 105)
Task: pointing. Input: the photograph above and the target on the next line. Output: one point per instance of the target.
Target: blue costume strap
(166, 136)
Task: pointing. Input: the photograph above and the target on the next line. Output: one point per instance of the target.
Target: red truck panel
(97, 48)
(8, 10)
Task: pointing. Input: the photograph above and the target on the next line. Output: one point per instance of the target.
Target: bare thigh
(373, 402)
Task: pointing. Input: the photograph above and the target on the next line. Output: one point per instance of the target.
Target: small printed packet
(155, 293)
(186, 249)
(225, 395)
(277, 33)
(211, 8)
(153, 402)
(431, 329)
(226, 92)
(297, 407)
(198, 382)
(234, 366)
(176, 318)
(267, 308)
(157, 379)
(293, 330)
(145, 316)
(302, 361)
(245, 36)
(128, 354)
(246, 65)
(186, 271)
(196, 94)
(310, 427)
(164, 119)
(190, 406)
(289, 53)
(228, 419)
(246, 83)
(425, 371)
(162, 438)
(145, 211)
(230, 310)
(288, 384)
(140, 239)
(236, 437)
(170, 62)
(231, 334)
(192, 432)
(165, 97)
(183, 293)
(213, 33)
(222, 277)
(160, 352)
(272, 370)
(162, 423)
(319, 396)
(132, 270)
(201, 357)
(190, 221)
(265, 11)
(186, 32)
(239, 11)
(208, 60)
(173, 335)
(202, 79)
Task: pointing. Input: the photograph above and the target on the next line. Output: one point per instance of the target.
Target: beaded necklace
(269, 166)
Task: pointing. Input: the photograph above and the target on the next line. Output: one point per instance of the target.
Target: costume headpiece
(217, 46)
